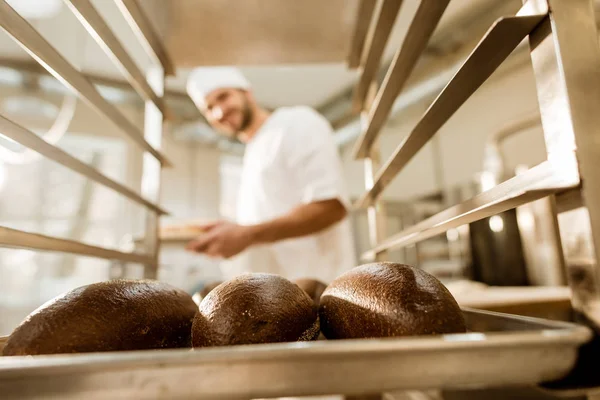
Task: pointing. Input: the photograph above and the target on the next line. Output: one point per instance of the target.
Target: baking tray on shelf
(498, 350)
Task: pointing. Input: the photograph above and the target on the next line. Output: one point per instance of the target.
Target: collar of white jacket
(204, 80)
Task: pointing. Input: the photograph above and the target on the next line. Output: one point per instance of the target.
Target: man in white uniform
(292, 205)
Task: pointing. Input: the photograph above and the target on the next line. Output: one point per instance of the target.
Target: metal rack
(568, 84)
(498, 350)
(150, 86)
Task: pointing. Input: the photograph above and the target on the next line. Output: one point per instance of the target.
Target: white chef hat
(204, 80)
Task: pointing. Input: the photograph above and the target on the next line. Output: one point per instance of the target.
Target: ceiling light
(496, 224)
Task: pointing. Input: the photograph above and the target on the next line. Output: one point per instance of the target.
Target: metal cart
(499, 349)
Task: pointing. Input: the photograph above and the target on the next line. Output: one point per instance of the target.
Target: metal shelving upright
(565, 54)
(499, 350)
(150, 86)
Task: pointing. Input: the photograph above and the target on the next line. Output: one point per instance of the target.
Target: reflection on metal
(61, 69)
(538, 227)
(424, 23)
(493, 49)
(568, 86)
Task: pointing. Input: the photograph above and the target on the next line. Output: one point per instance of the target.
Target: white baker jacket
(293, 160)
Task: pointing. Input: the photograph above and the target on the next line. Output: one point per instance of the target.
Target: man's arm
(224, 239)
(306, 219)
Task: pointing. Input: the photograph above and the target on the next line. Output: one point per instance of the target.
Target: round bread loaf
(388, 299)
(255, 308)
(107, 316)
(208, 288)
(312, 287)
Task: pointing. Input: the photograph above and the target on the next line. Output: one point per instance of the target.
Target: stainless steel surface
(537, 221)
(424, 23)
(98, 29)
(25, 240)
(376, 213)
(374, 50)
(538, 182)
(501, 350)
(147, 35)
(34, 142)
(569, 200)
(23, 33)
(540, 235)
(568, 84)
(153, 129)
(495, 46)
(361, 28)
(258, 32)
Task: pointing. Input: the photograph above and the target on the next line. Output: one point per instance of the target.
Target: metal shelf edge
(15, 238)
(32, 42)
(541, 181)
(496, 45)
(149, 39)
(374, 51)
(363, 22)
(108, 41)
(32, 141)
(419, 33)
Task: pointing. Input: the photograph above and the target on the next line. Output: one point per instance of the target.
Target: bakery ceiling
(258, 32)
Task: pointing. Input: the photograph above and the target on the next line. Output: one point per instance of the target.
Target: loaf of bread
(388, 299)
(314, 288)
(255, 308)
(208, 288)
(107, 316)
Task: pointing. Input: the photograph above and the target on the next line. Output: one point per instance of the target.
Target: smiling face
(230, 111)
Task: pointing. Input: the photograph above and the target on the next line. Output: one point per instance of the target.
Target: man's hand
(222, 240)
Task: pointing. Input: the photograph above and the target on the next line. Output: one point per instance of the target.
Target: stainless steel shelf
(541, 181)
(26, 240)
(147, 36)
(363, 21)
(499, 350)
(423, 24)
(35, 143)
(381, 33)
(491, 51)
(98, 29)
(23, 33)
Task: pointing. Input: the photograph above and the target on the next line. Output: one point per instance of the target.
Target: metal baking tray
(499, 349)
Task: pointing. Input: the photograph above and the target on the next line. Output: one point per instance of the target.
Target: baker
(292, 203)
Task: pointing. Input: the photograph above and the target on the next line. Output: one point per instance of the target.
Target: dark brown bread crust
(255, 308)
(388, 299)
(312, 287)
(107, 316)
(208, 288)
